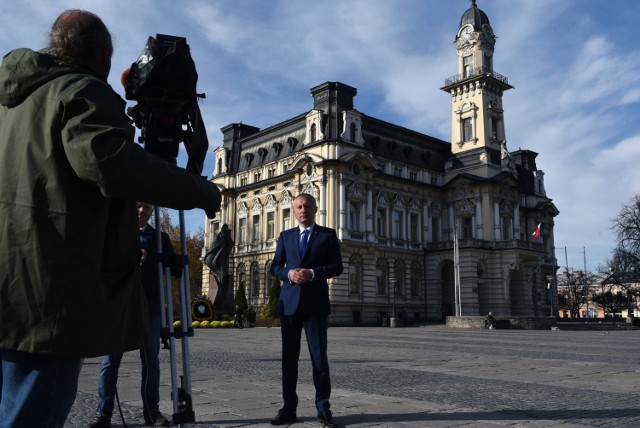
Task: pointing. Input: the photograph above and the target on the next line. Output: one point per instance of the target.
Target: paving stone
(425, 376)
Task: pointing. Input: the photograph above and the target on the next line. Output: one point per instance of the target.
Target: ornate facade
(396, 198)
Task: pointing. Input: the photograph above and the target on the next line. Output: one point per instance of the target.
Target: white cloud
(574, 65)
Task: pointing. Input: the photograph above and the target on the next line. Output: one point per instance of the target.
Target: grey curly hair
(78, 36)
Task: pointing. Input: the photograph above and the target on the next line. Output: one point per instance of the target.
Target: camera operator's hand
(210, 214)
(216, 201)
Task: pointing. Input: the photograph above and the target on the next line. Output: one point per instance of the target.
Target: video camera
(163, 83)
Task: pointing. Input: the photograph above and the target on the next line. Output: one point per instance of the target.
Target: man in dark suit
(306, 256)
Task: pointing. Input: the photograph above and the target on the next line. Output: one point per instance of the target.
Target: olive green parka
(70, 174)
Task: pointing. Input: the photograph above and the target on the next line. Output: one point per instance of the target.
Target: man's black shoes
(326, 417)
(155, 419)
(284, 417)
(101, 421)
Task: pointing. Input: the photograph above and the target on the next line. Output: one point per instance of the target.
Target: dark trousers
(315, 329)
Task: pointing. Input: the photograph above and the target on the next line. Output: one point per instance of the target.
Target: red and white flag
(536, 233)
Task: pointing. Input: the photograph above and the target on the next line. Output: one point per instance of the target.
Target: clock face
(466, 32)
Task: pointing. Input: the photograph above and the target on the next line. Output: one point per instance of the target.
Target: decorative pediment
(381, 198)
(356, 191)
(271, 201)
(398, 202)
(464, 207)
(414, 205)
(286, 198)
(257, 206)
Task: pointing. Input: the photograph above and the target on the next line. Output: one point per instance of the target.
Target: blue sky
(575, 66)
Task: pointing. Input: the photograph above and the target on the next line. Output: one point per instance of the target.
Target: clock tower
(478, 141)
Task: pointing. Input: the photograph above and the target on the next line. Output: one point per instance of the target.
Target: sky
(575, 66)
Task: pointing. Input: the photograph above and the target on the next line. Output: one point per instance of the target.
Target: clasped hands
(300, 275)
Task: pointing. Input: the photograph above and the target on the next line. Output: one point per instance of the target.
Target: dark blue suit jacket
(322, 255)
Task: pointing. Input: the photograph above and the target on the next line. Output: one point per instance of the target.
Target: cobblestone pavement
(428, 376)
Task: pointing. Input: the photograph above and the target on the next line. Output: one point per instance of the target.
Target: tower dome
(475, 17)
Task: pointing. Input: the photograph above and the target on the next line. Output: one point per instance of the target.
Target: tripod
(163, 82)
(180, 395)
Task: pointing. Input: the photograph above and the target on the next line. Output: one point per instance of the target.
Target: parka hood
(24, 70)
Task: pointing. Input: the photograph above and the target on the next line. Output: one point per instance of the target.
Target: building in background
(397, 199)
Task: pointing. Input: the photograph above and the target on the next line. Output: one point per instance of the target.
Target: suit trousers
(315, 328)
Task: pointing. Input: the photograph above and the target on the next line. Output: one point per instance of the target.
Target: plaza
(424, 376)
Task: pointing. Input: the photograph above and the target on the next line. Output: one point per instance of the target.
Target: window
(354, 216)
(414, 226)
(255, 280)
(398, 269)
(255, 228)
(271, 225)
(268, 280)
(397, 171)
(494, 127)
(467, 129)
(413, 175)
(286, 218)
(506, 227)
(312, 133)
(434, 180)
(397, 225)
(271, 172)
(416, 277)
(488, 62)
(243, 180)
(467, 66)
(214, 227)
(220, 166)
(352, 132)
(382, 276)
(466, 227)
(435, 229)
(257, 176)
(355, 275)
(381, 222)
(242, 280)
(242, 237)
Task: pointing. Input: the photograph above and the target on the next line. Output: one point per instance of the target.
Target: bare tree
(626, 227)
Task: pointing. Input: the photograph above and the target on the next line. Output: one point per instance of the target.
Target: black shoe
(326, 417)
(101, 421)
(155, 419)
(284, 417)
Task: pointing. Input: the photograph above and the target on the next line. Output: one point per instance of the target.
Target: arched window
(355, 274)
(268, 279)
(312, 133)
(398, 270)
(382, 276)
(416, 278)
(255, 281)
(242, 279)
(352, 132)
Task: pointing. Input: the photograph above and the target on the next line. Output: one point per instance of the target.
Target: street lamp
(550, 281)
(392, 286)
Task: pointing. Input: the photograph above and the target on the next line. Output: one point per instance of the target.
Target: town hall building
(428, 228)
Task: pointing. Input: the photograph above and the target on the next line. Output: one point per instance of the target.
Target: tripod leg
(185, 410)
(166, 313)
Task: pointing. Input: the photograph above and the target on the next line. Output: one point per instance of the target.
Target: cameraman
(70, 174)
(150, 384)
